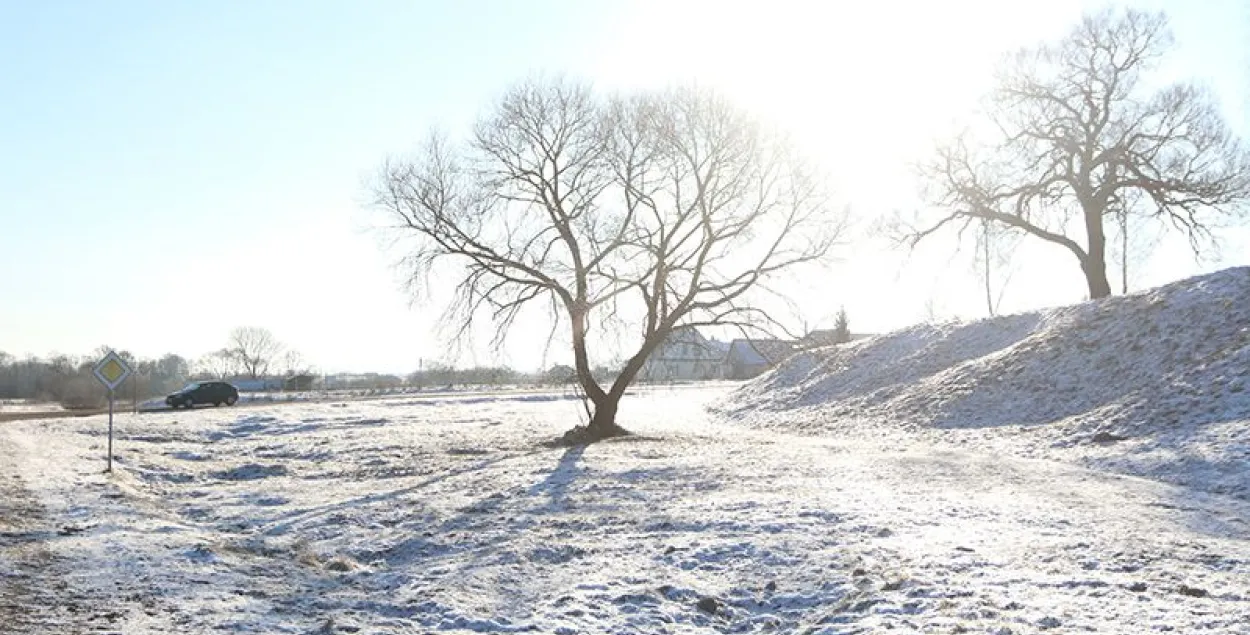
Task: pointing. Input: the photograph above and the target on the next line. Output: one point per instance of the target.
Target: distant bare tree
(1077, 140)
(101, 351)
(254, 350)
(292, 363)
(666, 211)
(218, 364)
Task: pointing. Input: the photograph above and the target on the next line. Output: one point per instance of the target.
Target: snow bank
(1155, 383)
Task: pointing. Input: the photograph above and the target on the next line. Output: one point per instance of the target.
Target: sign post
(112, 371)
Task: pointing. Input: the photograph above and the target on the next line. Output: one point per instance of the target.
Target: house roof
(821, 337)
(690, 345)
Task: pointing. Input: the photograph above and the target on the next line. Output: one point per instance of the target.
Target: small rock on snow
(1107, 437)
(251, 472)
(1193, 592)
(709, 605)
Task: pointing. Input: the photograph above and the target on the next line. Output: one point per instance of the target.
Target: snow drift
(1165, 372)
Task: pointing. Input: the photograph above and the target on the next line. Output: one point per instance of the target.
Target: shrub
(82, 393)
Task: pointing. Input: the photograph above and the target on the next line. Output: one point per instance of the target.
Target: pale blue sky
(175, 169)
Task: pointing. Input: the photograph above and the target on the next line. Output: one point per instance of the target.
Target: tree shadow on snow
(302, 515)
(1211, 497)
(555, 486)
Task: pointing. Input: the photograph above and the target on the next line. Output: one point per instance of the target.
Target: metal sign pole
(112, 371)
(110, 468)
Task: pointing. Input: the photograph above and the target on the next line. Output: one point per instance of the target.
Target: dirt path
(37, 595)
(27, 595)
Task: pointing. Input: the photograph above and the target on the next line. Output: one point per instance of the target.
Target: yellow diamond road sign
(112, 370)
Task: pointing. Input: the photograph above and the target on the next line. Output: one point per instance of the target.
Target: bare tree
(292, 363)
(254, 350)
(932, 310)
(1133, 238)
(995, 244)
(219, 364)
(1077, 139)
(665, 211)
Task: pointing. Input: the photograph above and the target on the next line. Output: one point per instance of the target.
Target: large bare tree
(659, 211)
(254, 350)
(1078, 135)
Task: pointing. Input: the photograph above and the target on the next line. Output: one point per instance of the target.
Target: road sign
(112, 371)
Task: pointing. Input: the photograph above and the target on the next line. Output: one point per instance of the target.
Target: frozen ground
(25, 405)
(1154, 384)
(418, 515)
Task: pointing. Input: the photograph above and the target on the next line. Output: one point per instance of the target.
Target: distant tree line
(442, 375)
(67, 380)
(250, 354)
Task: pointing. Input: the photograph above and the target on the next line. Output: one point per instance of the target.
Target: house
(749, 358)
(686, 355)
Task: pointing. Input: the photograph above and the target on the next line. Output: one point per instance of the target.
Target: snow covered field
(419, 515)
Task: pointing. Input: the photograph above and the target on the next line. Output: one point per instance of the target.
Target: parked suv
(204, 392)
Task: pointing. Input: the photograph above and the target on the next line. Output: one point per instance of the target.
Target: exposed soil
(33, 593)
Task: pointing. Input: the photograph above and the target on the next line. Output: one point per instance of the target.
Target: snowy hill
(1167, 369)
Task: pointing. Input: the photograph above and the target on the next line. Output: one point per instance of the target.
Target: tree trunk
(1096, 277)
(985, 254)
(603, 423)
(1095, 262)
(1124, 252)
(581, 359)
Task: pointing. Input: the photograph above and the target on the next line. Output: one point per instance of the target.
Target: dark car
(204, 392)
